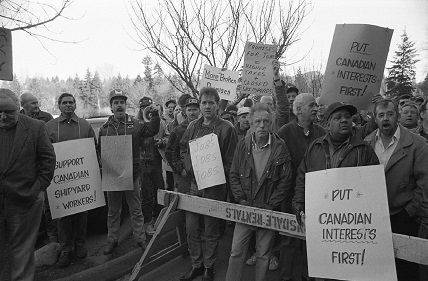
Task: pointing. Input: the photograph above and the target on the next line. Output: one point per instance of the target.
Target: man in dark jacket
(338, 148)
(172, 150)
(203, 263)
(27, 165)
(31, 108)
(259, 177)
(120, 123)
(297, 135)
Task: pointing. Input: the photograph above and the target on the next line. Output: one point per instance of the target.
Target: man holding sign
(259, 177)
(121, 124)
(72, 228)
(210, 123)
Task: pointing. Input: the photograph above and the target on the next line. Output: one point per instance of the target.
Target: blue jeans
(132, 197)
(151, 181)
(72, 230)
(241, 239)
(19, 228)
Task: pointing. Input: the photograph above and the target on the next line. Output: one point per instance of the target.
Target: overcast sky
(102, 26)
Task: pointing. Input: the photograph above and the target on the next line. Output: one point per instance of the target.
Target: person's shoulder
(29, 122)
(224, 123)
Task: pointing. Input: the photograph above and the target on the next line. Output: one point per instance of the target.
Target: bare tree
(187, 34)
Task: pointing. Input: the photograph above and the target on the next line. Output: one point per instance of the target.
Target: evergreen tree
(300, 81)
(147, 61)
(402, 73)
(97, 90)
(15, 86)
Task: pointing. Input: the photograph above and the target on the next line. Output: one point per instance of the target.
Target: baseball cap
(145, 101)
(192, 101)
(117, 93)
(243, 110)
(291, 89)
(340, 105)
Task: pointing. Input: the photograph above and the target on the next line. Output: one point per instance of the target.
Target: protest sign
(206, 161)
(76, 185)
(6, 66)
(257, 73)
(355, 64)
(225, 81)
(116, 160)
(165, 165)
(348, 232)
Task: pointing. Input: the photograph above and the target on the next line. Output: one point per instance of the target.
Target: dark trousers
(151, 181)
(51, 224)
(402, 223)
(18, 231)
(170, 181)
(72, 230)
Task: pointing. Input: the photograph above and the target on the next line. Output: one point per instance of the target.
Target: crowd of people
(266, 146)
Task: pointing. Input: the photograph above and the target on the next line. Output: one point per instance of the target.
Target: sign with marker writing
(116, 160)
(225, 81)
(6, 65)
(206, 161)
(355, 64)
(76, 185)
(257, 73)
(348, 232)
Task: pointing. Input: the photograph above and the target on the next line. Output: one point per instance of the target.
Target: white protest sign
(116, 160)
(348, 232)
(355, 64)
(165, 165)
(6, 65)
(76, 185)
(257, 73)
(225, 81)
(206, 161)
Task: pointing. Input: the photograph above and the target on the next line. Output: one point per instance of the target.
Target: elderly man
(409, 115)
(266, 161)
(297, 134)
(31, 107)
(404, 156)
(68, 126)
(120, 123)
(27, 165)
(203, 263)
(320, 120)
(243, 123)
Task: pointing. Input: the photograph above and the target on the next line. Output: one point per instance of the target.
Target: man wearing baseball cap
(120, 123)
(338, 148)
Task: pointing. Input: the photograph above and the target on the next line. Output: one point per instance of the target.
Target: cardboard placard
(76, 185)
(355, 64)
(116, 160)
(206, 161)
(257, 73)
(6, 64)
(348, 232)
(225, 81)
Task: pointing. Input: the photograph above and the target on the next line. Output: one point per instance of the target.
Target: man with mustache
(404, 156)
(297, 134)
(210, 122)
(120, 123)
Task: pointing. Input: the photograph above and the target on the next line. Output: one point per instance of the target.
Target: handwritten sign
(257, 73)
(348, 232)
(76, 185)
(225, 81)
(355, 64)
(6, 66)
(116, 160)
(206, 161)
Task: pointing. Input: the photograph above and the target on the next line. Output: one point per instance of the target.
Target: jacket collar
(110, 120)
(74, 117)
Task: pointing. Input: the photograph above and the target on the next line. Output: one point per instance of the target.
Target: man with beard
(203, 262)
(120, 123)
(68, 126)
(404, 156)
(297, 134)
(172, 150)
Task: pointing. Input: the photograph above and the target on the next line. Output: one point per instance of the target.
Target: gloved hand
(298, 209)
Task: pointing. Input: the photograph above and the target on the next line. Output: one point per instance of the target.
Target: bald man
(31, 107)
